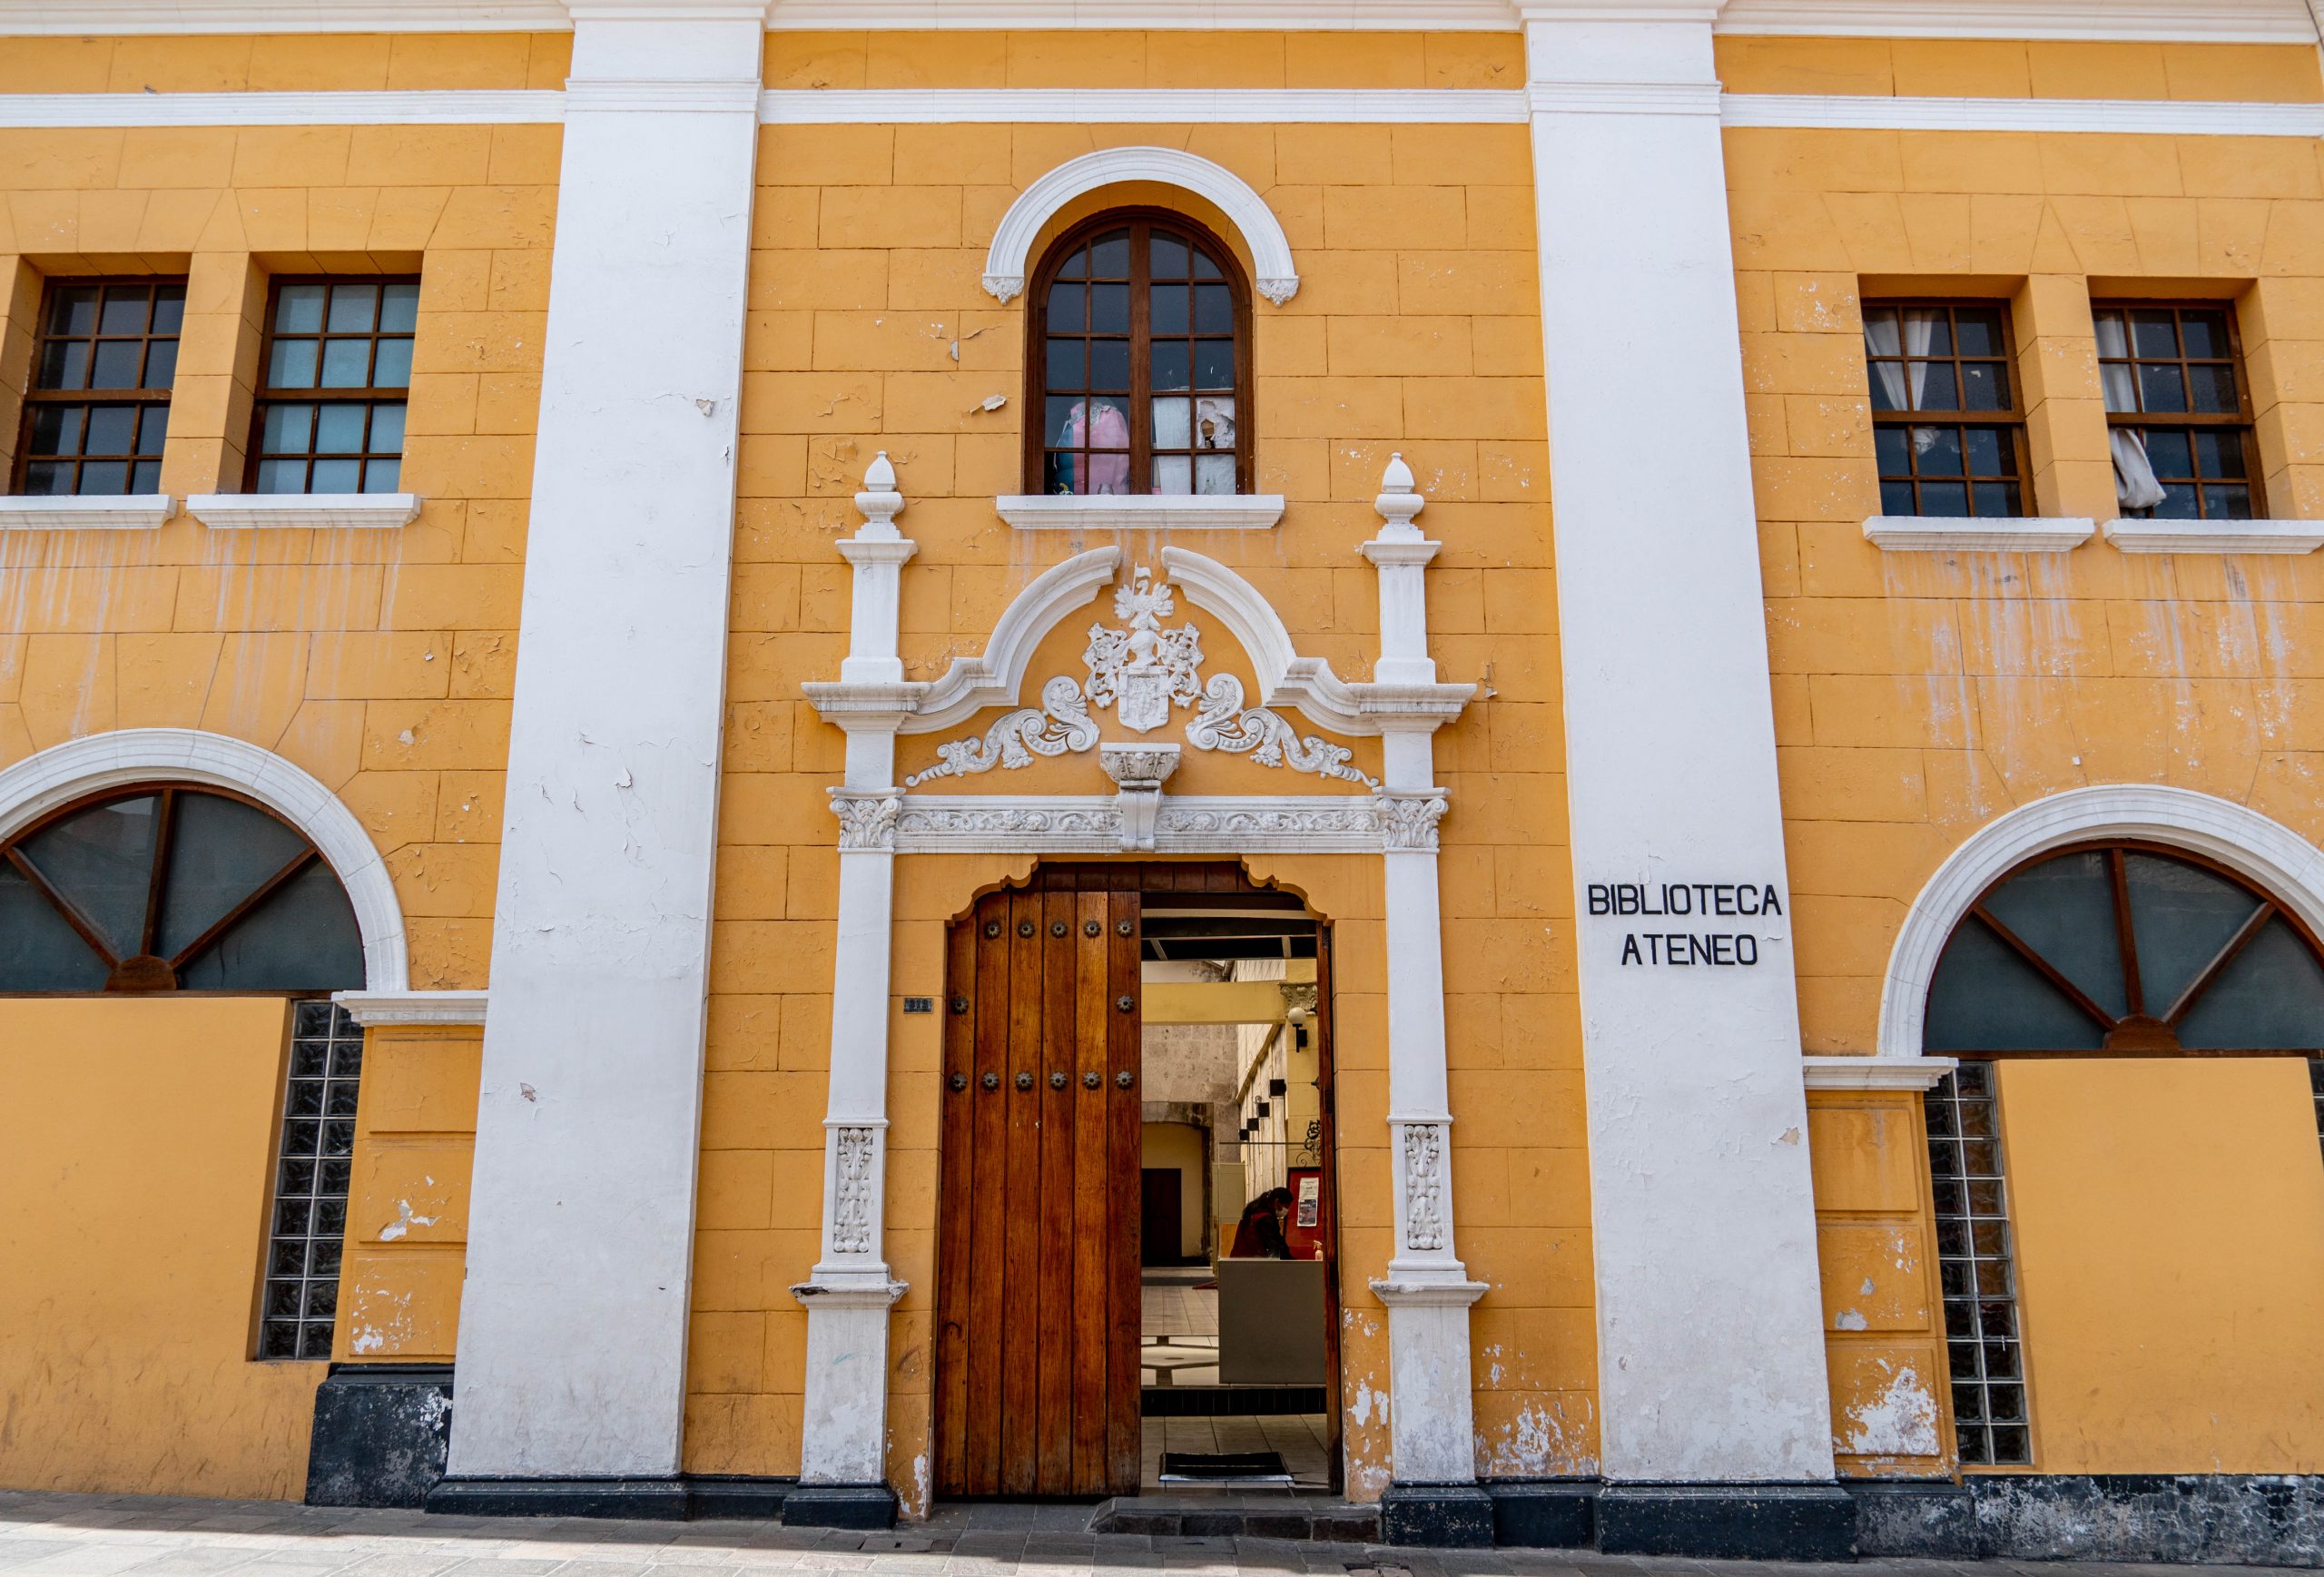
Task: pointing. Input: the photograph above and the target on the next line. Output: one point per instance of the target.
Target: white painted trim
(1877, 1073)
(1624, 98)
(1184, 824)
(304, 511)
(2271, 854)
(448, 106)
(609, 95)
(2160, 117)
(1319, 15)
(994, 677)
(50, 512)
(1276, 277)
(412, 1008)
(2187, 21)
(2216, 535)
(1142, 106)
(194, 16)
(1139, 512)
(1951, 534)
(52, 777)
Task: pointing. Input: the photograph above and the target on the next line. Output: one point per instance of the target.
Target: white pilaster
(1710, 1352)
(1427, 1289)
(573, 1322)
(844, 1428)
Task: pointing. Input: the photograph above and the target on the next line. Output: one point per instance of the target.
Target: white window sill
(2216, 535)
(303, 511)
(1878, 1072)
(1949, 534)
(135, 512)
(1140, 511)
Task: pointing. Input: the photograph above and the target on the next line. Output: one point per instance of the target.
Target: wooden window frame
(138, 973)
(1141, 392)
(2013, 419)
(35, 397)
(372, 395)
(2242, 420)
(2140, 1042)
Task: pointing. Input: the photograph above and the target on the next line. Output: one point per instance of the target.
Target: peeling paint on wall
(1901, 1421)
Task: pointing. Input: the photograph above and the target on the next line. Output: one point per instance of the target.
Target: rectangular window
(99, 404)
(2178, 411)
(300, 1307)
(2316, 1083)
(1945, 418)
(334, 373)
(1990, 1421)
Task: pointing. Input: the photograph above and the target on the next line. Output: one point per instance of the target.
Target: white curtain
(1881, 338)
(2135, 484)
(2114, 346)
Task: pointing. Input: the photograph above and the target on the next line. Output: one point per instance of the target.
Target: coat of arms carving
(1145, 670)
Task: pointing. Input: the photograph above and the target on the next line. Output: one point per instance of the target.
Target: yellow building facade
(670, 673)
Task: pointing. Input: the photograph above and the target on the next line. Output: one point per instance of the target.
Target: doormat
(1224, 1467)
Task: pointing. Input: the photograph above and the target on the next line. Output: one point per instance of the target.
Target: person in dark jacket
(1259, 1233)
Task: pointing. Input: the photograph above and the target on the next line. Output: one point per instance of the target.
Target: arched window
(2113, 949)
(1138, 368)
(169, 888)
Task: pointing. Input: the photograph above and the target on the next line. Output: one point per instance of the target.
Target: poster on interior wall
(1311, 1200)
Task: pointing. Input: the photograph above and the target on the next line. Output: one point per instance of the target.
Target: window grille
(337, 370)
(1990, 1421)
(2178, 413)
(1946, 422)
(308, 1228)
(1139, 363)
(98, 408)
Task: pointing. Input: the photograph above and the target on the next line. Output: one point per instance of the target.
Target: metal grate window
(309, 1221)
(1989, 1416)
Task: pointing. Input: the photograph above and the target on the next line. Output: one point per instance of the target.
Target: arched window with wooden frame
(2117, 949)
(1138, 372)
(169, 887)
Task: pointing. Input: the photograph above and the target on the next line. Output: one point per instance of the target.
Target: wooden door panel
(1124, 1115)
(987, 1200)
(1022, 1336)
(1053, 1089)
(1092, 1228)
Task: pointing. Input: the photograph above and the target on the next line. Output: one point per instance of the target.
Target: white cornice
(2216, 535)
(412, 1008)
(86, 512)
(1952, 534)
(1140, 512)
(304, 511)
(474, 107)
(1336, 15)
(1877, 1073)
(1141, 106)
(2161, 117)
(2192, 21)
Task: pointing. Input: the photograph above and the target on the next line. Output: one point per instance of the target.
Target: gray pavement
(100, 1535)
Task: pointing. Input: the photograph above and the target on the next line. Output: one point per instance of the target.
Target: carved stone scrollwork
(1423, 1185)
(1326, 817)
(1408, 820)
(1062, 722)
(976, 822)
(1266, 737)
(859, 1155)
(867, 820)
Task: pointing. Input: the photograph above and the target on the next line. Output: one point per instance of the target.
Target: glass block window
(2316, 1083)
(2177, 413)
(1946, 422)
(1989, 1421)
(299, 1309)
(336, 368)
(1137, 365)
(171, 888)
(98, 410)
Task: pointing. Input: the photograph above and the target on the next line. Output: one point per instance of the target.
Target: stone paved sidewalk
(98, 1535)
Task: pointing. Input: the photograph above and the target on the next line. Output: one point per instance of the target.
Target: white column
(844, 1428)
(573, 1322)
(1710, 1351)
(1427, 1289)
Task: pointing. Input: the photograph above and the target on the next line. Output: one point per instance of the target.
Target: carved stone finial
(1398, 502)
(880, 476)
(880, 501)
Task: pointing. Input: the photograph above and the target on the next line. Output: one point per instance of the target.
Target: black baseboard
(1544, 1514)
(1449, 1516)
(650, 1499)
(840, 1505)
(720, 1496)
(2242, 1519)
(1731, 1522)
(1225, 1401)
(380, 1434)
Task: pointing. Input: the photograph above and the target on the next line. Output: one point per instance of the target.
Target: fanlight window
(157, 888)
(1137, 368)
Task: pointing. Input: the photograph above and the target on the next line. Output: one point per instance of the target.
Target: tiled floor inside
(1179, 1349)
(1298, 1437)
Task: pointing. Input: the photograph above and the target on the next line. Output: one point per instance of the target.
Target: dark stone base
(653, 1499)
(734, 1496)
(1731, 1522)
(2250, 1519)
(1258, 1515)
(839, 1505)
(1544, 1515)
(380, 1435)
(1449, 1516)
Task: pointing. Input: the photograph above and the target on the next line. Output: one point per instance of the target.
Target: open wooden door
(1038, 1290)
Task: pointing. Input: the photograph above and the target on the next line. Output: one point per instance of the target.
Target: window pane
(1068, 363)
(298, 309)
(387, 429)
(2181, 916)
(220, 850)
(75, 311)
(2064, 909)
(66, 365)
(301, 1296)
(1213, 423)
(1110, 366)
(2270, 997)
(161, 364)
(169, 309)
(2169, 451)
(293, 365)
(301, 939)
(1888, 449)
(336, 477)
(153, 429)
(1109, 308)
(347, 363)
(1171, 364)
(1109, 256)
(1978, 332)
(2204, 333)
(116, 365)
(2122, 394)
(124, 311)
(391, 368)
(2152, 334)
(1948, 499)
(1984, 998)
(282, 476)
(1206, 267)
(101, 860)
(1938, 450)
(1169, 308)
(2228, 502)
(2212, 388)
(47, 478)
(381, 475)
(1937, 391)
(1213, 310)
(57, 428)
(1068, 306)
(1985, 386)
(1065, 422)
(338, 429)
(1988, 452)
(107, 477)
(1173, 424)
(1168, 257)
(354, 309)
(399, 308)
(2180, 502)
(1174, 474)
(39, 951)
(145, 477)
(1996, 501)
(1213, 364)
(2162, 388)
(113, 431)
(286, 429)
(2219, 454)
(1215, 474)
(1896, 499)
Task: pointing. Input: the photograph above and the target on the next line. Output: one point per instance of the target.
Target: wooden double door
(1038, 1287)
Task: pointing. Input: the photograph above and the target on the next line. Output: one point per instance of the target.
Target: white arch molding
(1274, 275)
(64, 773)
(2267, 853)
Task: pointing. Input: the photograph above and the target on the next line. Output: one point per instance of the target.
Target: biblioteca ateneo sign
(1688, 945)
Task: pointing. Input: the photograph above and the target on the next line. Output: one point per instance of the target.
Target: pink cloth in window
(1109, 473)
